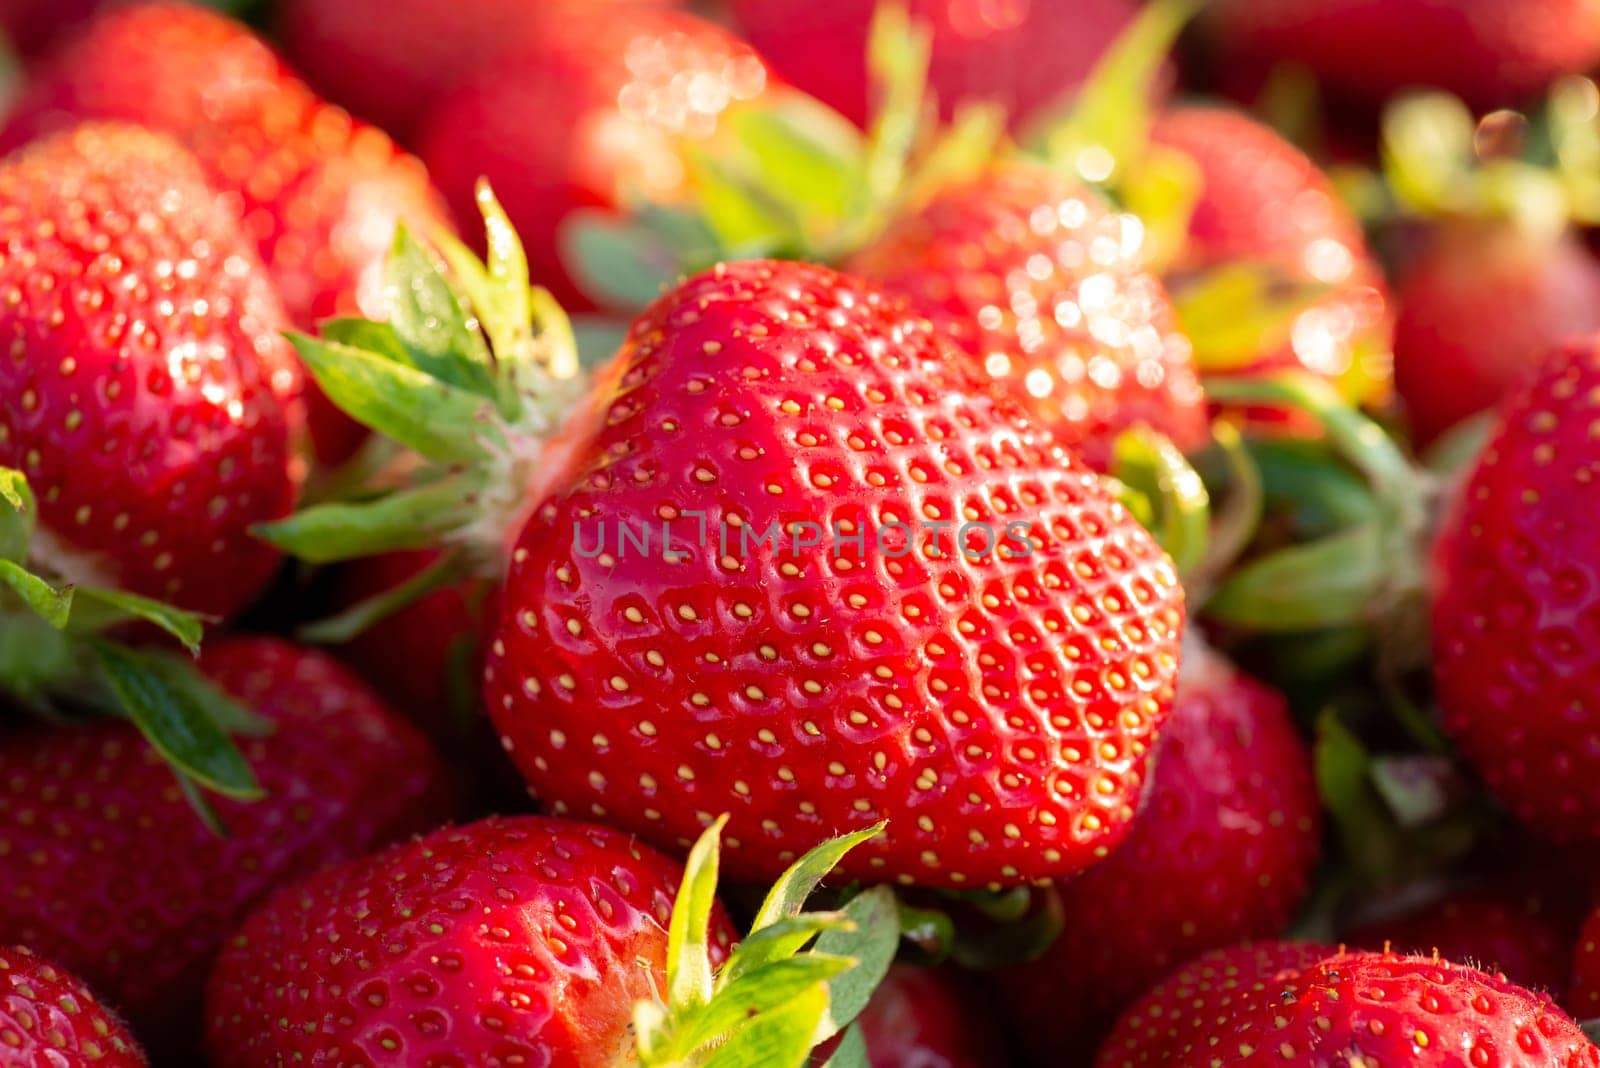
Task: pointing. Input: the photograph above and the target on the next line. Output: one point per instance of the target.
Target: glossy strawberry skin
(807, 692)
(146, 391)
(587, 114)
(49, 1018)
(319, 193)
(1457, 350)
(121, 881)
(1223, 850)
(1042, 286)
(926, 1018)
(1401, 1010)
(1263, 201)
(1023, 55)
(1516, 602)
(1491, 52)
(1175, 1021)
(515, 937)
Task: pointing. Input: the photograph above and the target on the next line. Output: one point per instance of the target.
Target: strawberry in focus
(1222, 850)
(147, 392)
(126, 886)
(50, 1018)
(1043, 287)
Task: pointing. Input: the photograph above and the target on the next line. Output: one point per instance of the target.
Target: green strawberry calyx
(795, 981)
(58, 660)
(470, 383)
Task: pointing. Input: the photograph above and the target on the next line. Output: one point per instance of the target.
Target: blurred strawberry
(1263, 203)
(926, 1018)
(318, 193)
(1490, 52)
(1457, 347)
(587, 114)
(31, 25)
(1021, 54)
(49, 1019)
(114, 876)
(1222, 850)
(1043, 286)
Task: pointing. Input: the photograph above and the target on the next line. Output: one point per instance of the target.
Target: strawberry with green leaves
(48, 1017)
(529, 940)
(117, 878)
(1012, 688)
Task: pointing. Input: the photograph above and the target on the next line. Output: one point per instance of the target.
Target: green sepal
(851, 1052)
(1591, 1028)
(1457, 449)
(95, 608)
(1428, 156)
(1418, 788)
(1162, 192)
(430, 322)
(930, 931)
(438, 420)
(181, 728)
(761, 990)
(870, 942)
(353, 621)
(201, 806)
(803, 877)
(1234, 524)
(51, 602)
(899, 51)
(689, 975)
(369, 335)
(18, 513)
(777, 1038)
(498, 286)
(777, 940)
(622, 262)
(1334, 581)
(406, 519)
(1308, 484)
(1235, 313)
(1016, 941)
(1180, 507)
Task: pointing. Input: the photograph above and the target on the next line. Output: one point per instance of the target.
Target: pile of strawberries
(923, 534)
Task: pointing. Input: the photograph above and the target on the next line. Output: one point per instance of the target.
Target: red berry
(944, 679)
(1457, 350)
(49, 1019)
(1043, 287)
(1024, 55)
(516, 940)
(1516, 602)
(1223, 850)
(1584, 996)
(146, 392)
(588, 113)
(115, 877)
(926, 1018)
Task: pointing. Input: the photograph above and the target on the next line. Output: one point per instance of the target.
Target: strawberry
(389, 62)
(48, 1017)
(147, 393)
(587, 114)
(1389, 1009)
(1493, 928)
(1178, 1017)
(518, 940)
(1262, 202)
(1023, 54)
(1491, 52)
(1515, 603)
(1583, 998)
(925, 1018)
(931, 676)
(1042, 286)
(319, 193)
(31, 25)
(1222, 850)
(1456, 353)
(90, 812)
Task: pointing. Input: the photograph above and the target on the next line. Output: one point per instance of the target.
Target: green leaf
(851, 1051)
(762, 990)
(52, 603)
(406, 519)
(806, 154)
(179, 728)
(1319, 492)
(499, 286)
(220, 708)
(871, 942)
(374, 337)
(689, 975)
(17, 517)
(620, 263)
(436, 419)
(1428, 157)
(1234, 314)
(353, 621)
(898, 53)
(1418, 788)
(201, 806)
(1162, 192)
(740, 209)
(598, 338)
(97, 607)
(780, 1038)
(1235, 523)
(778, 940)
(929, 930)
(1335, 581)
(1153, 465)
(1015, 942)
(796, 884)
(430, 322)
(1343, 766)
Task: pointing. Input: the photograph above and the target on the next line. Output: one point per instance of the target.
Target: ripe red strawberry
(933, 681)
(520, 940)
(49, 1018)
(1181, 1017)
(319, 193)
(925, 1018)
(1043, 287)
(1456, 352)
(390, 62)
(1021, 54)
(1515, 602)
(587, 114)
(113, 875)
(30, 25)
(1490, 52)
(1494, 928)
(1388, 1009)
(1223, 849)
(147, 394)
(1262, 201)
(1583, 997)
